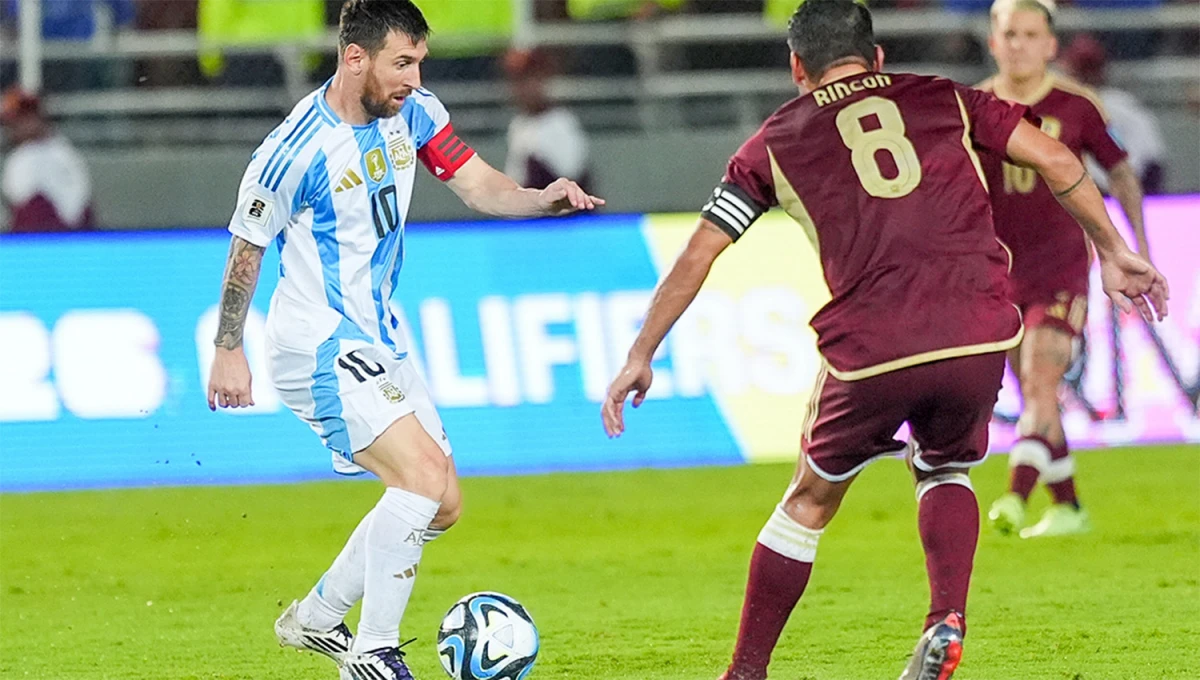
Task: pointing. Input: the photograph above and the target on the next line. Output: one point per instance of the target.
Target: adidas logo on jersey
(349, 181)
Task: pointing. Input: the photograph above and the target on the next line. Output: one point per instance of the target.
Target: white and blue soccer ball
(488, 636)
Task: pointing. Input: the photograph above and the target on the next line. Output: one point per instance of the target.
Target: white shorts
(349, 391)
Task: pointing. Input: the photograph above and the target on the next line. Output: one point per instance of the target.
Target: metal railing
(653, 86)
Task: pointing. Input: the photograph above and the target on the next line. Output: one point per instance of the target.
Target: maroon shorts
(1055, 299)
(947, 404)
(1064, 310)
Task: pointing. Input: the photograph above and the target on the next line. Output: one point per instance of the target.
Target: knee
(811, 509)
(1037, 384)
(1040, 411)
(1040, 395)
(448, 514)
(928, 481)
(431, 472)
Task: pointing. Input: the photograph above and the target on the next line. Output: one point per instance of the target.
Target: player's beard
(375, 101)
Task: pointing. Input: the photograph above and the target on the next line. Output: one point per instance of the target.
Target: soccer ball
(487, 636)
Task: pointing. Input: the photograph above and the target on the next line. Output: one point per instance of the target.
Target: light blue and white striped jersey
(334, 197)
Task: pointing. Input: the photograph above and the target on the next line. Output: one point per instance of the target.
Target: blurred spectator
(466, 38)
(603, 60)
(780, 11)
(952, 47)
(234, 22)
(80, 20)
(75, 19)
(899, 48)
(550, 10)
(1113, 4)
(459, 24)
(161, 15)
(1127, 44)
(545, 141)
(593, 10)
(1132, 123)
(967, 5)
(725, 6)
(45, 183)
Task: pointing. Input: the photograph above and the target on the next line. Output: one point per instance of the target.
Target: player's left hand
(564, 197)
(636, 378)
(1131, 281)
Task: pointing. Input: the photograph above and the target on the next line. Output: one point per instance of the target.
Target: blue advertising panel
(105, 342)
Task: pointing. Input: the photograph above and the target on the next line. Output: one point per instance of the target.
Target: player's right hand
(1131, 281)
(229, 381)
(636, 378)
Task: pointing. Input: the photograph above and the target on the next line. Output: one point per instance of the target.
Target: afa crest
(376, 166)
(390, 391)
(401, 153)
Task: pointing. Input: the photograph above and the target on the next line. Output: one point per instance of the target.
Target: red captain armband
(445, 154)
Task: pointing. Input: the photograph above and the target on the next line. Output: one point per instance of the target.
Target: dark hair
(823, 32)
(367, 23)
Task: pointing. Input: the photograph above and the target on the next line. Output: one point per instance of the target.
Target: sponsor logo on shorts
(389, 391)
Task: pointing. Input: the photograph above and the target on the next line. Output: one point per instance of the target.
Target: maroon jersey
(880, 171)
(1050, 251)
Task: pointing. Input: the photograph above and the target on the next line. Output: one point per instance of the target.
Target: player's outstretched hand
(1131, 281)
(229, 382)
(564, 197)
(636, 378)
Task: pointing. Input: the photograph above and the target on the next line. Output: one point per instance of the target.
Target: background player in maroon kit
(1051, 256)
(879, 170)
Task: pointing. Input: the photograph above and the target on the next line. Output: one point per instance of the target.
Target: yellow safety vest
(468, 27)
(589, 10)
(780, 11)
(241, 22)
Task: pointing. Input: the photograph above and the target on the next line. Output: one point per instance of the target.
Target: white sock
(341, 587)
(393, 551)
(432, 534)
(785, 536)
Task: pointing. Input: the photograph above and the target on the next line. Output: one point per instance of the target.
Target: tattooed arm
(241, 278)
(229, 382)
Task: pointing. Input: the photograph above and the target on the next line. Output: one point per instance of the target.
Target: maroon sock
(1062, 491)
(948, 519)
(775, 586)
(1023, 479)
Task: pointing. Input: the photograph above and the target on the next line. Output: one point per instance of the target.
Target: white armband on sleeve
(731, 209)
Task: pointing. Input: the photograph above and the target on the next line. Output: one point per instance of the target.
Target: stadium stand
(629, 70)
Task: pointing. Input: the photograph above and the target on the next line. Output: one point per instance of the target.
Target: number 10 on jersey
(384, 211)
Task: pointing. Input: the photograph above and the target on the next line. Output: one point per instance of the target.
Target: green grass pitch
(632, 575)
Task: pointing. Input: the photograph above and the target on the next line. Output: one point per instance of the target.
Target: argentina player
(331, 186)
